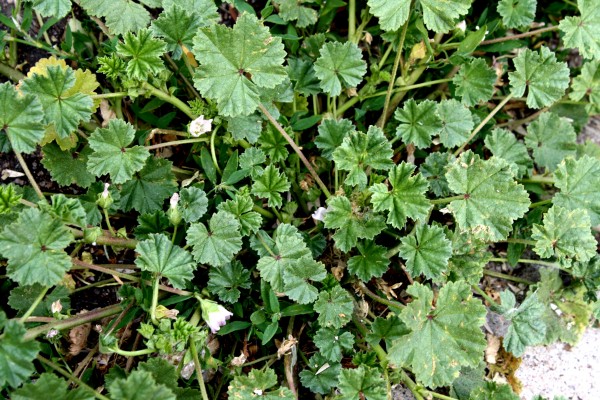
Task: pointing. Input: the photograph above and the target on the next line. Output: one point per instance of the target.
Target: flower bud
(214, 314)
(173, 211)
(105, 200)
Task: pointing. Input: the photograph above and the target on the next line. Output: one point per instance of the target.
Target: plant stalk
(169, 99)
(27, 172)
(35, 303)
(198, 368)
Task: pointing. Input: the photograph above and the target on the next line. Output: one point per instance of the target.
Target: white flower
(200, 126)
(174, 200)
(214, 314)
(462, 25)
(51, 333)
(105, 192)
(319, 214)
(56, 307)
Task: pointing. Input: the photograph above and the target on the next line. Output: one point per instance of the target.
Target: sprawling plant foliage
(307, 197)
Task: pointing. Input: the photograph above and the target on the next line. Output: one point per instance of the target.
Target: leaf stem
(483, 123)
(11, 73)
(540, 203)
(428, 393)
(363, 288)
(410, 87)
(106, 240)
(71, 377)
(447, 200)
(73, 321)
(521, 241)
(496, 274)
(213, 152)
(198, 368)
(352, 21)
(110, 228)
(169, 99)
(519, 36)
(537, 179)
(528, 261)
(27, 172)
(398, 60)
(109, 95)
(176, 143)
(155, 284)
(131, 353)
(35, 303)
(484, 295)
(296, 149)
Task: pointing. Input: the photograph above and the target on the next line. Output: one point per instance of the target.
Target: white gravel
(560, 370)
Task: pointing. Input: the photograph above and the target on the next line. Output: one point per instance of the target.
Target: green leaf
(426, 251)
(392, 14)
(434, 169)
(339, 65)
(331, 135)
(142, 52)
(156, 222)
(331, 342)
(158, 255)
(192, 203)
(324, 376)
(583, 32)
(544, 78)
(565, 235)
(139, 385)
(121, 16)
(21, 117)
(287, 249)
(297, 277)
(444, 337)
(293, 10)
(34, 246)
(177, 27)
(470, 256)
(273, 144)
(226, 281)
(148, 189)
(218, 245)
(111, 154)
(418, 122)
(335, 307)
(552, 139)
(52, 8)
(245, 127)
(241, 207)
(492, 390)
(68, 167)
(16, 355)
(205, 9)
(23, 296)
(578, 181)
(258, 384)
(49, 383)
(360, 151)
(504, 144)
(251, 160)
(69, 211)
(302, 74)
(9, 199)
(162, 371)
(491, 201)
(371, 263)
(65, 111)
(362, 382)
(475, 82)
(236, 64)
(457, 122)
(387, 329)
(351, 222)
(588, 84)
(406, 199)
(517, 13)
(527, 327)
(441, 16)
(270, 184)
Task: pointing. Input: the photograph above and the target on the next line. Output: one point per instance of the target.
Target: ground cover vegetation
(293, 198)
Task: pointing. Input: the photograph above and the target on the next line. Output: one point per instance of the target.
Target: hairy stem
(520, 35)
(352, 21)
(27, 172)
(297, 150)
(155, 284)
(447, 200)
(169, 99)
(482, 123)
(198, 368)
(176, 143)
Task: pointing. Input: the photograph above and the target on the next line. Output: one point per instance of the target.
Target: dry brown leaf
(287, 346)
(491, 351)
(78, 338)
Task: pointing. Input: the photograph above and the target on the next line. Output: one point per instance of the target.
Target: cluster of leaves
(328, 181)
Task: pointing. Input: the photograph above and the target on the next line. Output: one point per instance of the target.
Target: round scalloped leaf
(457, 122)
(218, 245)
(293, 10)
(517, 13)
(427, 251)
(193, 203)
(158, 255)
(21, 117)
(544, 78)
(16, 355)
(445, 335)
(392, 14)
(237, 63)
(34, 246)
(583, 32)
(475, 82)
(139, 385)
(52, 8)
(335, 307)
(371, 262)
(50, 383)
(419, 122)
(111, 154)
(297, 278)
(339, 65)
(552, 139)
